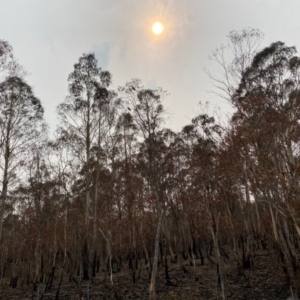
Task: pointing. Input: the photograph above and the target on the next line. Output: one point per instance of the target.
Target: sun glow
(157, 28)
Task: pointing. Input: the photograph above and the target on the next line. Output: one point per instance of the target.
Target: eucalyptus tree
(263, 85)
(77, 116)
(148, 114)
(266, 124)
(200, 188)
(21, 127)
(80, 124)
(268, 101)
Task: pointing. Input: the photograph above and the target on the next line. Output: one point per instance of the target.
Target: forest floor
(260, 282)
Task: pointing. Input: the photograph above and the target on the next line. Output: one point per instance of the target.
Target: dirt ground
(260, 282)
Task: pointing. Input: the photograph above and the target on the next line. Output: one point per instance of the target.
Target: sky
(49, 36)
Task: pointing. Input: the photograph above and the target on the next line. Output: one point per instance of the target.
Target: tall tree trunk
(152, 294)
(3, 194)
(215, 234)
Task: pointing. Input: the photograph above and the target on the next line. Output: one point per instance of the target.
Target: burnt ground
(260, 282)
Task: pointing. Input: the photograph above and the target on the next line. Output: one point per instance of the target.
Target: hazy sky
(48, 37)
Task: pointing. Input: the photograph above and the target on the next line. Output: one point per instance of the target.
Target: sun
(157, 28)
